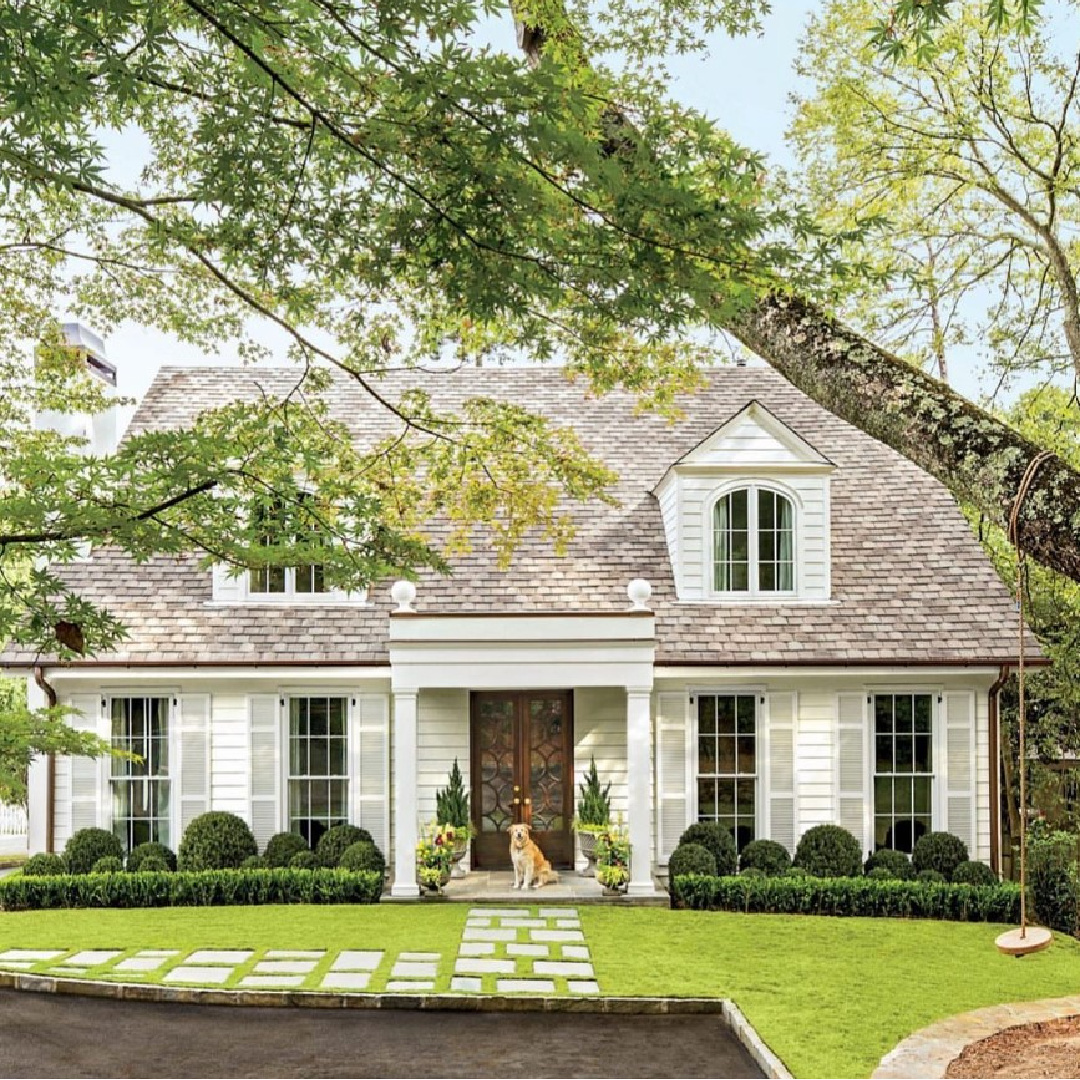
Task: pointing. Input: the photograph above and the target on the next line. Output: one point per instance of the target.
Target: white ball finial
(639, 591)
(403, 593)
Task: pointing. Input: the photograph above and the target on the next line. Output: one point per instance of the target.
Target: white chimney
(100, 430)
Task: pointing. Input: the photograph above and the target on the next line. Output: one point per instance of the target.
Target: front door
(522, 770)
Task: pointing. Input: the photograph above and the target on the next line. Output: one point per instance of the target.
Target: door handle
(528, 802)
(516, 802)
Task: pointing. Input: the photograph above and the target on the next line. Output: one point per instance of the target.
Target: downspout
(995, 768)
(50, 803)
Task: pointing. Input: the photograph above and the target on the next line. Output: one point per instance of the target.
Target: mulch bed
(1049, 1049)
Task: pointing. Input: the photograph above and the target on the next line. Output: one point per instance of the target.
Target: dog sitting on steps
(531, 869)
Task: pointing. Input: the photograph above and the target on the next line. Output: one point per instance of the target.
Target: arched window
(753, 542)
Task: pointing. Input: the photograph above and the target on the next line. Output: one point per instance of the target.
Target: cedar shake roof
(910, 583)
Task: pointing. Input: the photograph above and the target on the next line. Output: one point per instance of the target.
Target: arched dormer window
(753, 542)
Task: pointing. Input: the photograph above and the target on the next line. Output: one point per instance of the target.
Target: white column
(405, 831)
(638, 741)
(37, 783)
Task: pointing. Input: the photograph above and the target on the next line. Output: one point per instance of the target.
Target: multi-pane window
(283, 580)
(141, 790)
(727, 763)
(903, 769)
(318, 765)
(753, 542)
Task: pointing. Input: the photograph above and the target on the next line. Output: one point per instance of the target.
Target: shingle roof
(910, 582)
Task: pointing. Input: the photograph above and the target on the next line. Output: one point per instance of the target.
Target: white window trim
(292, 598)
(754, 594)
(939, 782)
(761, 793)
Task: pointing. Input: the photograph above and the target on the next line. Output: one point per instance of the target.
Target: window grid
(753, 542)
(318, 765)
(776, 542)
(283, 580)
(731, 543)
(141, 790)
(903, 769)
(727, 763)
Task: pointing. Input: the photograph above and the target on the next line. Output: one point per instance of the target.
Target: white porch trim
(405, 708)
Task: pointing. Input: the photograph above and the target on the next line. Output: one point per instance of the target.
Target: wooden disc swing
(1025, 939)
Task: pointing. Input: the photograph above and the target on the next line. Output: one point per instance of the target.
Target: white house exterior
(818, 642)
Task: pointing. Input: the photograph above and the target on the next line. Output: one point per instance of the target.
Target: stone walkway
(512, 950)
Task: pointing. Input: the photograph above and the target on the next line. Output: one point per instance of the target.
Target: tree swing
(1025, 939)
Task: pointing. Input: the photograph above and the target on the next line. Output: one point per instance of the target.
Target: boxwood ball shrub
(87, 846)
(829, 851)
(932, 877)
(896, 862)
(882, 873)
(974, 872)
(43, 865)
(768, 856)
(304, 860)
(334, 841)
(253, 862)
(216, 841)
(108, 864)
(154, 864)
(282, 846)
(363, 855)
(717, 840)
(940, 851)
(143, 851)
(691, 859)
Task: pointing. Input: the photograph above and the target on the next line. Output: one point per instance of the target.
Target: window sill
(313, 601)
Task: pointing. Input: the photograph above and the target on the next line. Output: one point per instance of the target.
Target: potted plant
(613, 859)
(434, 856)
(452, 809)
(593, 814)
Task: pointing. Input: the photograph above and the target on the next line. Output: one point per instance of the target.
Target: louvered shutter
(674, 767)
(781, 770)
(194, 781)
(959, 719)
(89, 776)
(227, 588)
(370, 779)
(265, 741)
(852, 801)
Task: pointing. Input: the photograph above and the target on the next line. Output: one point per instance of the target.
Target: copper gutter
(995, 768)
(50, 804)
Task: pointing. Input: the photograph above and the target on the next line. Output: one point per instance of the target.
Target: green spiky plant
(594, 807)
(452, 803)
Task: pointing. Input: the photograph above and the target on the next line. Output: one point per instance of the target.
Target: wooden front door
(522, 770)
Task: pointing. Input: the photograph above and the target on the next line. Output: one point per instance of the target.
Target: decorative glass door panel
(522, 769)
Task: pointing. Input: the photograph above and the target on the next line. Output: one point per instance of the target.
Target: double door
(522, 770)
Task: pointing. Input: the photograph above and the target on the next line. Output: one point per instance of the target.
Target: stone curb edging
(727, 1010)
(928, 1053)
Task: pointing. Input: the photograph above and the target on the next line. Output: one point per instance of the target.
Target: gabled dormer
(746, 514)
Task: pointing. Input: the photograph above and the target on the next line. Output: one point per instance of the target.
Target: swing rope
(1021, 589)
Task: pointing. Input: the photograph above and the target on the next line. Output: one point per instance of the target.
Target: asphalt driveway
(46, 1035)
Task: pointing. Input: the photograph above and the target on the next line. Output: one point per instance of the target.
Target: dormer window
(282, 580)
(753, 542)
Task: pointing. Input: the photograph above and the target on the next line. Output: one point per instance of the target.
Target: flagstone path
(511, 950)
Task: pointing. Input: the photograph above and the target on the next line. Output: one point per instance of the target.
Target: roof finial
(639, 591)
(403, 593)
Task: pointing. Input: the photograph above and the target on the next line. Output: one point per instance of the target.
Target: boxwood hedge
(849, 896)
(204, 888)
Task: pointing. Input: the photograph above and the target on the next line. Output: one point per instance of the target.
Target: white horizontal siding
(229, 757)
(442, 735)
(600, 732)
(815, 730)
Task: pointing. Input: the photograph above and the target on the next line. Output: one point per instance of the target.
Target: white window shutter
(780, 824)
(960, 779)
(852, 799)
(91, 800)
(265, 742)
(193, 789)
(370, 766)
(227, 588)
(675, 764)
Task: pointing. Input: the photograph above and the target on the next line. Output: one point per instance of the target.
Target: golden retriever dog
(531, 869)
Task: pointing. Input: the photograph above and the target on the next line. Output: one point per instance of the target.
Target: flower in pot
(452, 810)
(593, 813)
(613, 859)
(434, 856)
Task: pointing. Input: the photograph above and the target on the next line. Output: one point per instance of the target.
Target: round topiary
(253, 862)
(282, 846)
(929, 876)
(44, 865)
(896, 862)
(752, 872)
(304, 860)
(216, 841)
(143, 851)
(87, 846)
(108, 864)
(940, 851)
(363, 855)
(717, 840)
(881, 873)
(767, 856)
(154, 864)
(829, 851)
(691, 859)
(797, 871)
(974, 872)
(334, 841)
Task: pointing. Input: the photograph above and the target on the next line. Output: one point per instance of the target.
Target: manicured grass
(831, 996)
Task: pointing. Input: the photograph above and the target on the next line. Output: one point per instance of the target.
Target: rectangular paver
(141, 963)
(272, 982)
(353, 960)
(419, 956)
(528, 924)
(215, 975)
(346, 980)
(514, 949)
(575, 952)
(556, 935)
(525, 986)
(31, 954)
(492, 912)
(477, 948)
(562, 967)
(567, 924)
(285, 967)
(295, 954)
(405, 970)
(158, 952)
(93, 957)
(583, 987)
(412, 985)
(497, 934)
(220, 956)
(470, 966)
(476, 924)
(17, 965)
(558, 913)
(467, 983)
